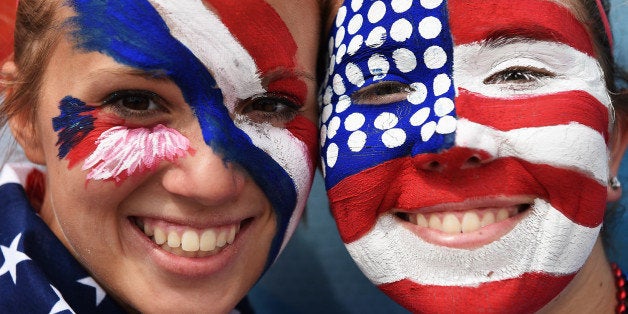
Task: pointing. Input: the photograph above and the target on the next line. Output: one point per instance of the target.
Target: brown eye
(137, 103)
(129, 103)
(269, 108)
(518, 75)
(381, 93)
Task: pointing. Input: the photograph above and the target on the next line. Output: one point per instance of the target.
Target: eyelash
(116, 101)
(382, 93)
(270, 108)
(519, 75)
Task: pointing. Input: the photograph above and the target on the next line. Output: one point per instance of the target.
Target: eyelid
(362, 97)
(277, 118)
(520, 62)
(119, 94)
(111, 100)
(536, 73)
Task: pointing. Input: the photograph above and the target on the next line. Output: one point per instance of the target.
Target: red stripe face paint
(474, 21)
(263, 34)
(511, 212)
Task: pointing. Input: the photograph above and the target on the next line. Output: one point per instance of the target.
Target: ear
(22, 123)
(24, 131)
(618, 149)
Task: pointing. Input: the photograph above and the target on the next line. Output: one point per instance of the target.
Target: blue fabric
(616, 221)
(34, 263)
(615, 229)
(618, 18)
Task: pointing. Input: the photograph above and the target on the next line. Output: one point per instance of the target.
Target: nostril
(472, 162)
(433, 166)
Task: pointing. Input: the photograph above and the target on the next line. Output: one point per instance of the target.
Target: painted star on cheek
(12, 257)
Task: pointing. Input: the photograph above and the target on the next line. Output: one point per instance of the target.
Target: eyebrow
(283, 73)
(470, 22)
(523, 34)
(157, 75)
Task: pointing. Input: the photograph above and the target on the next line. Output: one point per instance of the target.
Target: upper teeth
(460, 222)
(189, 239)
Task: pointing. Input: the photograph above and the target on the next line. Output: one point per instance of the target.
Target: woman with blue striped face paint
(465, 148)
(175, 146)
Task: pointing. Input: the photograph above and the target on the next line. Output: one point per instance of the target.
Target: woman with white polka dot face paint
(465, 149)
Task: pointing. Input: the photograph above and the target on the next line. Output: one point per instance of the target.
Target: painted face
(188, 131)
(499, 219)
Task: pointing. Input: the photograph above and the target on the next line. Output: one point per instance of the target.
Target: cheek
(559, 140)
(110, 150)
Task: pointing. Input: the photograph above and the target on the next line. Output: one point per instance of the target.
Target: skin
(594, 273)
(93, 218)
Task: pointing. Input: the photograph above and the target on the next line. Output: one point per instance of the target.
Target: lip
(474, 239)
(188, 267)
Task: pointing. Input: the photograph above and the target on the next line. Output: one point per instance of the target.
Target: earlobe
(614, 188)
(26, 135)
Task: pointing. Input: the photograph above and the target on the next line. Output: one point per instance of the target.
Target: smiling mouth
(187, 241)
(463, 221)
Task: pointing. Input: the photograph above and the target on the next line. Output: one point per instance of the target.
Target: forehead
(477, 20)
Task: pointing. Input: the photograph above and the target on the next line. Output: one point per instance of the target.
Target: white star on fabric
(61, 305)
(100, 292)
(11, 258)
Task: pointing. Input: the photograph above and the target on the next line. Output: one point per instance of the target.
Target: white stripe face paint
(563, 146)
(574, 70)
(237, 75)
(545, 240)
(288, 152)
(534, 245)
(201, 31)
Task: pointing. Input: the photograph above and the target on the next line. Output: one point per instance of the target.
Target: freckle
(490, 273)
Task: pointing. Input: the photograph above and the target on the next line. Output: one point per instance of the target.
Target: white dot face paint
(434, 57)
(430, 27)
(377, 12)
(401, 6)
(355, 24)
(355, 44)
(418, 94)
(378, 66)
(422, 87)
(405, 60)
(376, 37)
(442, 83)
(386, 121)
(356, 141)
(401, 30)
(354, 121)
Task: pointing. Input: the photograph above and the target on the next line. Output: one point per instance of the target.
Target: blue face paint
(133, 33)
(73, 124)
(373, 42)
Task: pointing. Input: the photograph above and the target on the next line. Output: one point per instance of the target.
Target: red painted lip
(471, 240)
(186, 267)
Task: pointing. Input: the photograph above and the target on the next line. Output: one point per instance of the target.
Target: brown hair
(36, 33)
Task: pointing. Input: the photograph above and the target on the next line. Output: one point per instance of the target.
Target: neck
(593, 289)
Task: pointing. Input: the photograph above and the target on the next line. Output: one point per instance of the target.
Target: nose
(205, 177)
(452, 159)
